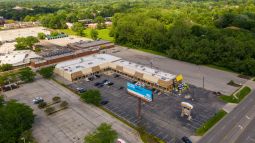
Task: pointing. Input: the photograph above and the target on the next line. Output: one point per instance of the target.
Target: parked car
(100, 85)
(107, 82)
(104, 81)
(10, 87)
(110, 84)
(121, 87)
(186, 140)
(91, 78)
(80, 90)
(37, 100)
(87, 79)
(97, 75)
(97, 83)
(116, 75)
(104, 102)
(120, 141)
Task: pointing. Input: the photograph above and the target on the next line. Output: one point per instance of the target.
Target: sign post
(141, 93)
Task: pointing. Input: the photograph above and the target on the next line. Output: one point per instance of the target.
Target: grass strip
(240, 95)
(212, 121)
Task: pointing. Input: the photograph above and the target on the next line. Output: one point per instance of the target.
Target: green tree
(5, 67)
(91, 96)
(27, 75)
(78, 28)
(47, 72)
(94, 34)
(41, 35)
(25, 43)
(103, 134)
(15, 119)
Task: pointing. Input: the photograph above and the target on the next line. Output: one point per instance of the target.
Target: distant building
(69, 25)
(21, 25)
(18, 58)
(86, 21)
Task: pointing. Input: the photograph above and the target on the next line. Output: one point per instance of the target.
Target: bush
(42, 105)
(5, 67)
(49, 110)
(56, 99)
(64, 104)
(46, 72)
(103, 134)
(92, 97)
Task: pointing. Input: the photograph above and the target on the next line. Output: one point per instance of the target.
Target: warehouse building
(86, 66)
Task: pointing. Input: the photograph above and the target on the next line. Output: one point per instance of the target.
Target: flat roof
(7, 47)
(78, 64)
(10, 35)
(18, 57)
(86, 44)
(146, 70)
(66, 40)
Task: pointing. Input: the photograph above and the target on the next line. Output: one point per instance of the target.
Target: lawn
(102, 33)
(240, 95)
(211, 122)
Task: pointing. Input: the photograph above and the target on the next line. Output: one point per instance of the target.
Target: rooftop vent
(90, 63)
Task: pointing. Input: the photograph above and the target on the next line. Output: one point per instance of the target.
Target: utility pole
(203, 81)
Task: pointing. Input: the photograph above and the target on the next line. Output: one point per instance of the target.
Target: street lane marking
(251, 139)
(241, 127)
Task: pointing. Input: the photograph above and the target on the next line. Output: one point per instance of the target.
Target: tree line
(181, 37)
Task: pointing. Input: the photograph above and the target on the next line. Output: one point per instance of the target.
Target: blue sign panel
(139, 91)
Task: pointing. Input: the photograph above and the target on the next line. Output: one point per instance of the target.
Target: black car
(97, 76)
(116, 75)
(186, 140)
(100, 85)
(80, 90)
(121, 87)
(91, 78)
(110, 84)
(104, 102)
(104, 81)
(97, 83)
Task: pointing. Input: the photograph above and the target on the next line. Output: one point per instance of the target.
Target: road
(215, 80)
(70, 125)
(236, 126)
(248, 135)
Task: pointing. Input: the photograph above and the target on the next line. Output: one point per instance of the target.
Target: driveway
(214, 80)
(70, 125)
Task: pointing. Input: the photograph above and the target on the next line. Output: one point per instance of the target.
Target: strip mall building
(86, 66)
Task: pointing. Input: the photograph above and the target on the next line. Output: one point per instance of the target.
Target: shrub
(92, 97)
(49, 110)
(64, 104)
(47, 72)
(56, 99)
(103, 134)
(42, 105)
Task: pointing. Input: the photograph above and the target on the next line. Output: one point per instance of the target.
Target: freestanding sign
(140, 92)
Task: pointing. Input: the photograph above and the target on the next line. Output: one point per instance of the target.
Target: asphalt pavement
(237, 126)
(214, 80)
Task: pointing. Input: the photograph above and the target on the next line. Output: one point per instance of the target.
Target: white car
(120, 141)
(37, 100)
(107, 82)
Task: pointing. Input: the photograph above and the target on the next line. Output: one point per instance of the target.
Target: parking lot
(69, 125)
(214, 80)
(162, 117)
